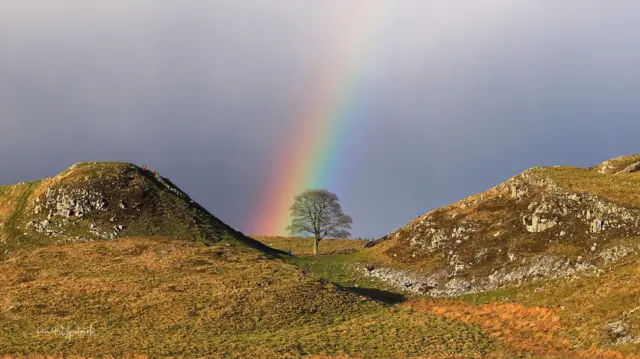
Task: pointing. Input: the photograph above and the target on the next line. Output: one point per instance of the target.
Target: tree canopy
(318, 213)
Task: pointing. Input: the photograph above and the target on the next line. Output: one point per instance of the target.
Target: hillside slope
(163, 297)
(98, 201)
(108, 260)
(544, 223)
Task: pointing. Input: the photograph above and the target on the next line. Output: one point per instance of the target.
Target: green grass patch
(304, 246)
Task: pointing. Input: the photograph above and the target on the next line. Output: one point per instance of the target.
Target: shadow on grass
(379, 295)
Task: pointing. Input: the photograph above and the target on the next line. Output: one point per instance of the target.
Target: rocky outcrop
(99, 201)
(400, 279)
(442, 283)
(631, 168)
(544, 217)
(618, 252)
(64, 207)
(620, 331)
(618, 164)
(540, 267)
(66, 202)
(523, 230)
(439, 237)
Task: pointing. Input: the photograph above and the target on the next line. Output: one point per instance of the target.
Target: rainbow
(310, 159)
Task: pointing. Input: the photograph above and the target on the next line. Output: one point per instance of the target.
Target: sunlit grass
(304, 246)
(160, 297)
(623, 189)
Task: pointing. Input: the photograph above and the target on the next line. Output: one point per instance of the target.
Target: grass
(200, 289)
(150, 209)
(304, 246)
(160, 297)
(520, 330)
(617, 164)
(343, 271)
(559, 318)
(12, 220)
(13, 200)
(583, 306)
(621, 189)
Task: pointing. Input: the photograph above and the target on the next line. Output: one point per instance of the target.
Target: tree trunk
(316, 241)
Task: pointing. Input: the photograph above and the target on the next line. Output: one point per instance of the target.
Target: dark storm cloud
(458, 96)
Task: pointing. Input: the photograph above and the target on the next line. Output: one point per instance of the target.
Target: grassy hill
(99, 201)
(123, 254)
(108, 260)
(544, 223)
(561, 242)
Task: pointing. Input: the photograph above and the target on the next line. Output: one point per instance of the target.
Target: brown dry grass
(131, 356)
(532, 330)
(137, 356)
(171, 298)
(621, 189)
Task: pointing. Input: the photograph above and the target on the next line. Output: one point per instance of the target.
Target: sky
(453, 97)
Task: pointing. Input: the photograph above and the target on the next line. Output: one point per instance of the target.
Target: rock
(538, 223)
(517, 190)
(575, 197)
(631, 169)
(618, 329)
(615, 254)
(597, 225)
(171, 188)
(545, 266)
(513, 221)
(402, 280)
(66, 203)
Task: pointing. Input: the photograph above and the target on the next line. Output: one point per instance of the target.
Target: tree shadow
(378, 295)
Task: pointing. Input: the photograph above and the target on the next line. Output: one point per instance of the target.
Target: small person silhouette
(144, 167)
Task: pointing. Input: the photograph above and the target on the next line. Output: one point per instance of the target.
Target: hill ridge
(105, 200)
(546, 222)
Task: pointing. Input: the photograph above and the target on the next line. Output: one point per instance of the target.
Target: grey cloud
(456, 96)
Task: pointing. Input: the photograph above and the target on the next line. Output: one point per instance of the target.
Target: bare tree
(318, 213)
